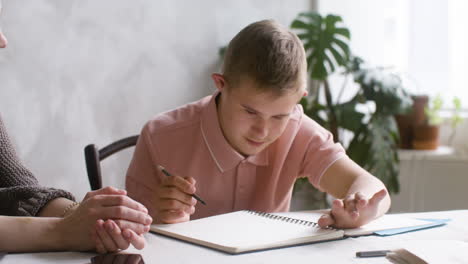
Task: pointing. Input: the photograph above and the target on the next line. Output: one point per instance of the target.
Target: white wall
(84, 71)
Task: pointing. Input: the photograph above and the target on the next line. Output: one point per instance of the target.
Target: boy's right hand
(174, 202)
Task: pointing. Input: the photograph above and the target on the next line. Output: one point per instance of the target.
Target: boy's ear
(219, 81)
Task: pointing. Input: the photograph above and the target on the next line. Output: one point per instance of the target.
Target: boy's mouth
(254, 143)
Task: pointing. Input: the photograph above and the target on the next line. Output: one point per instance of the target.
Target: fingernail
(148, 220)
(127, 234)
(110, 225)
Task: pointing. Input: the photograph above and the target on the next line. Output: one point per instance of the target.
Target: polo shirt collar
(223, 154)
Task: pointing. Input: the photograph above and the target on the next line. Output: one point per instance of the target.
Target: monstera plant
(365, 123)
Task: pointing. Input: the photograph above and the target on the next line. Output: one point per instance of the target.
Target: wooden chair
(94, 156)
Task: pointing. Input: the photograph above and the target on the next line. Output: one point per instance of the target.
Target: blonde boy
(244, 146)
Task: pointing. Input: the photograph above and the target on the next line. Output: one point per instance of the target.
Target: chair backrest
(94, 156)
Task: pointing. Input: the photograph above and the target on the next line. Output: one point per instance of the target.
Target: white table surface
(165, 250)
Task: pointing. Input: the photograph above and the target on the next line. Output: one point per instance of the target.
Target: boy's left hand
(353, 211)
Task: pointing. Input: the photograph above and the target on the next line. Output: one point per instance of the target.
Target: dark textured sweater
(20, 192)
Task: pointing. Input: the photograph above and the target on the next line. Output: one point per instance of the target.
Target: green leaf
(344, 32)
(385, 89)
(299, 24)
(347, 116)
(374, 148)
(313, 110)
(322, 36)
(341, 60)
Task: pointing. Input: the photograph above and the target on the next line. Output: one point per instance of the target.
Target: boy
(245, 146)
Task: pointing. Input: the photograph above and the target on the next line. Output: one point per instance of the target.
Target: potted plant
(408, 119)
(373, 132)
(456, 118)
(426, 134)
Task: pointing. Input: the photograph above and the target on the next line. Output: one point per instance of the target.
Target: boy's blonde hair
(269, 54)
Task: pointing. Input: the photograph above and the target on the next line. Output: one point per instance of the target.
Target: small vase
(426, 137)
(419, 104)
(405, 129)
(407, 122)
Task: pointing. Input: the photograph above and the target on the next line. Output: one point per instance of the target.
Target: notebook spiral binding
(287, 219)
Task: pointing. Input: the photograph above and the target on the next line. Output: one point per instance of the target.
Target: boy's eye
(250, 112)
(278, 117)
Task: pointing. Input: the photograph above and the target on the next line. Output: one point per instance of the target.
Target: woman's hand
(80, 228)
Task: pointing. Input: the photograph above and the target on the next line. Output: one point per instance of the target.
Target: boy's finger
(192, 210)
(359, 196)
(172, 217)
(337, 206)
(350, 208)
(173, 193)
(377, 197)
(326, 220)
(191, 180)
(361, 204)
(350, 205)
(338, 210)
(181, 183)
(172, 204)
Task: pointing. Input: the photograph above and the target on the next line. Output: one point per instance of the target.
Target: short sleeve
(320, 153)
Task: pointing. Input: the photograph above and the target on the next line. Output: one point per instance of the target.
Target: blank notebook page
(248, 230)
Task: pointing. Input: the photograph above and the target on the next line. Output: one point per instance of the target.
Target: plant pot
(426, 137)
(406, 122)
(419, 104)
(405, 129)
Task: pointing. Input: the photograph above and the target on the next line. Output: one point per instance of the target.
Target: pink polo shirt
(188, 141)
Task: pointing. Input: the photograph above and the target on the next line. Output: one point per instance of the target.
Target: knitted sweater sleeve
(20, 192)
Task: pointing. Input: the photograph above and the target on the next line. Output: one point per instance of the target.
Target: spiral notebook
(246, 231)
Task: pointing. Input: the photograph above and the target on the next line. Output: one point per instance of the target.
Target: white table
(166, 250)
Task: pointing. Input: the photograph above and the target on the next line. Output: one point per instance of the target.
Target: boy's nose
(3, 40)
(261, 129)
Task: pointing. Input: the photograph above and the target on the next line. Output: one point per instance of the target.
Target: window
(426, 40)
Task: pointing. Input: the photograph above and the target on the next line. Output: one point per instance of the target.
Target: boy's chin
(250, 151)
